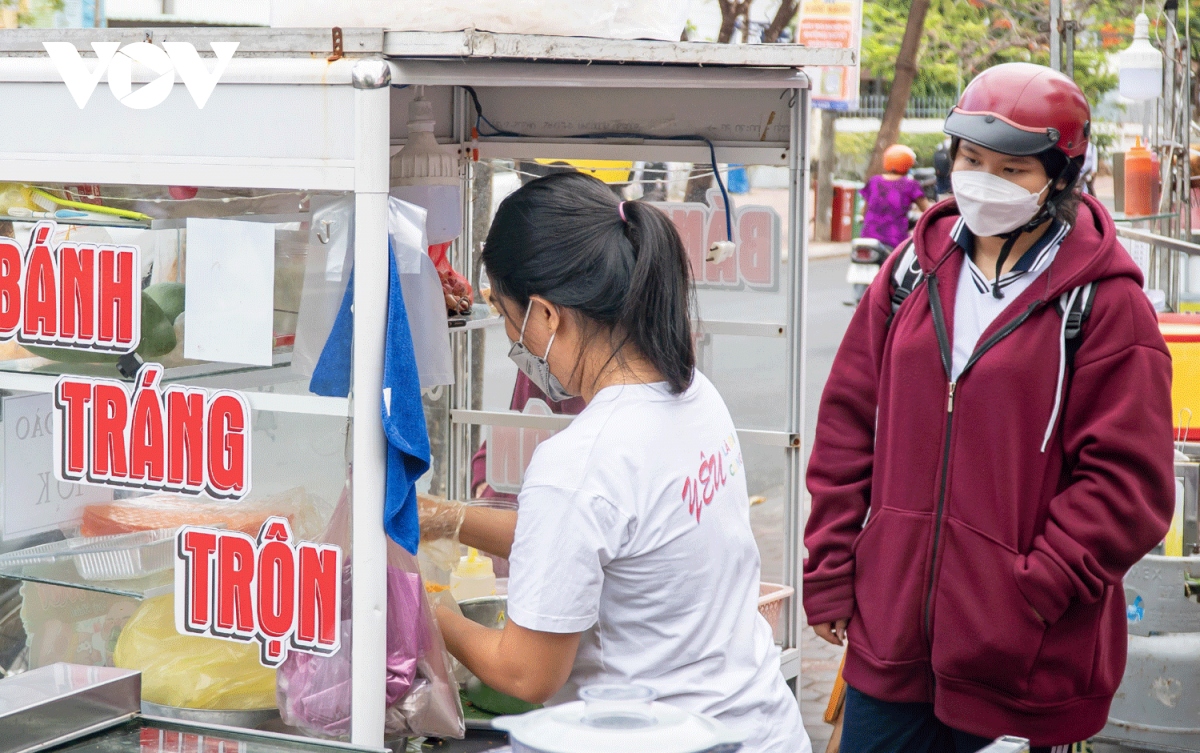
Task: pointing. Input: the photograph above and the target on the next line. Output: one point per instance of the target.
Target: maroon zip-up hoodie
(986, 578)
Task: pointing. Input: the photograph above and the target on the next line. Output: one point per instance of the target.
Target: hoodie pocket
(983, 628)
(889, 572)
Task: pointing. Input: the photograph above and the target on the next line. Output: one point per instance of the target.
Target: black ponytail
(562, 237)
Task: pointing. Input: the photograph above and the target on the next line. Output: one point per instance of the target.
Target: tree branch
(906, 73)
(783, 17)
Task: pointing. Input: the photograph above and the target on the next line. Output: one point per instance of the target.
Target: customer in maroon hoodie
(978, 493)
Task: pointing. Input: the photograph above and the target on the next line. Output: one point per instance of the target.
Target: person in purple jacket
(890, 195)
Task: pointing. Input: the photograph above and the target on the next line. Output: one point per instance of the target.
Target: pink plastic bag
(421, 694)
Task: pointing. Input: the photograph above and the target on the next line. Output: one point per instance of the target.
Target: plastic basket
(771, 597)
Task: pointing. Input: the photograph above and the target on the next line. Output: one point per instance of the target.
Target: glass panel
(744, 294)
(243, 306)
(303, 223)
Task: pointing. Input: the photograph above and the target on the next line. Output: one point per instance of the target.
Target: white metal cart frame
(285, 117)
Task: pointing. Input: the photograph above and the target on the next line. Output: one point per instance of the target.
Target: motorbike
(866, 258)
(867, 255)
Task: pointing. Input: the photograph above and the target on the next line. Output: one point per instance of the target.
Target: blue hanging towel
(403, 415)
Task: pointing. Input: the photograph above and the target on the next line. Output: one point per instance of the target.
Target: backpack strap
(906, 275)
(1081, 307)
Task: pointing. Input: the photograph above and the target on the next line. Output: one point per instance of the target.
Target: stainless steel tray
(61, 702)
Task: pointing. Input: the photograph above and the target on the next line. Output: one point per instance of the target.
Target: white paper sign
(230, 279)
(34, 500)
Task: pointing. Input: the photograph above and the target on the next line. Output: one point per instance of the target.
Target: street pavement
(819, 663)
(828, 317)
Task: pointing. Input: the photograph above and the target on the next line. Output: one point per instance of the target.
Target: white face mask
(991, 205)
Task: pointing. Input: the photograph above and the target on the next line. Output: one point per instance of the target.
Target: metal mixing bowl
(489, 611)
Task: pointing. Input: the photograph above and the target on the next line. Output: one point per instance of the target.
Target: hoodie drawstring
(1068, 300)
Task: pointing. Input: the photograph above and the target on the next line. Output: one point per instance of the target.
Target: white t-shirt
(975, 307)
(633, 528)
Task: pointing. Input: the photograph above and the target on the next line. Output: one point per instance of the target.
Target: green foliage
(38, 13)
(854, 151)
(963, 37)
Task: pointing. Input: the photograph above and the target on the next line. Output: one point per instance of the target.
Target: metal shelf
(40, 375)
(558, 422)
(80, 221)
(65, 574)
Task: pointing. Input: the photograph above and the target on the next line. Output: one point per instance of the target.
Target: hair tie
(621, 211)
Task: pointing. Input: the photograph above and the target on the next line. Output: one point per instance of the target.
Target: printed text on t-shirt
(699, 490)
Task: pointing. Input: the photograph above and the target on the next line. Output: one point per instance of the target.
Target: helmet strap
(1010, 240)
(1048, 211)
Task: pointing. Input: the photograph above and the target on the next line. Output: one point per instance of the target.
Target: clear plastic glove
(440, 518)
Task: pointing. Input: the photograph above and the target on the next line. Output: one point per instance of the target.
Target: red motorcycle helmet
(1022, 109)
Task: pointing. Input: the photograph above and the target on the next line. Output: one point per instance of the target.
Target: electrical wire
(499, 168)
(481, 119)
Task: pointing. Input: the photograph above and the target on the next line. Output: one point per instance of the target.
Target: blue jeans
(874, 726)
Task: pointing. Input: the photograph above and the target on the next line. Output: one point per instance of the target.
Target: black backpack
(907, 275)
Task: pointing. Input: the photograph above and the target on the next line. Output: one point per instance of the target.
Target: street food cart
(228, 190)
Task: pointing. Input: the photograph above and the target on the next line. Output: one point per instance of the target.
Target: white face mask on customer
(991, 205)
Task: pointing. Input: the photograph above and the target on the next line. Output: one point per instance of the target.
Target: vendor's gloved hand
(440, 518)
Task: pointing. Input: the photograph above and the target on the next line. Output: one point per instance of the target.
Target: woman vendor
(631, 554)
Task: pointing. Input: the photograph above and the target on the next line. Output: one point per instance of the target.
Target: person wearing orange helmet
(889, 196)
(993, 448)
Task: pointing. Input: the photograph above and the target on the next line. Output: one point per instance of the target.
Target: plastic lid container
(473, 577)
(617, 719)
(1139, 66)
(120, 556)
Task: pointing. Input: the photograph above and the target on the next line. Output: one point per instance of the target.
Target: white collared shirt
(975, 308)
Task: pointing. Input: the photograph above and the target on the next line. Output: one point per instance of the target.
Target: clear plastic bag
(421, 693)
(326, 274)
(157, 511)
(190, 671)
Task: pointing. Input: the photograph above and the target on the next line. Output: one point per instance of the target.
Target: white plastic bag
(424, 301)
(326, 272)
(609, 19)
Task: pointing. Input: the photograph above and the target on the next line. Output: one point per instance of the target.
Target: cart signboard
(754, 264)
(280, 592)
(179, 439)
(79, 296)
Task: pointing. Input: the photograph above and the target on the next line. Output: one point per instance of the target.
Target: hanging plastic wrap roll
(421, 695)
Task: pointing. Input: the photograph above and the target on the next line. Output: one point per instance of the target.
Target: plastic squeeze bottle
(473, 577)
(1139, 181)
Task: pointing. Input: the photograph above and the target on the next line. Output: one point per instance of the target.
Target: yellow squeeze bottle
(473, 577)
